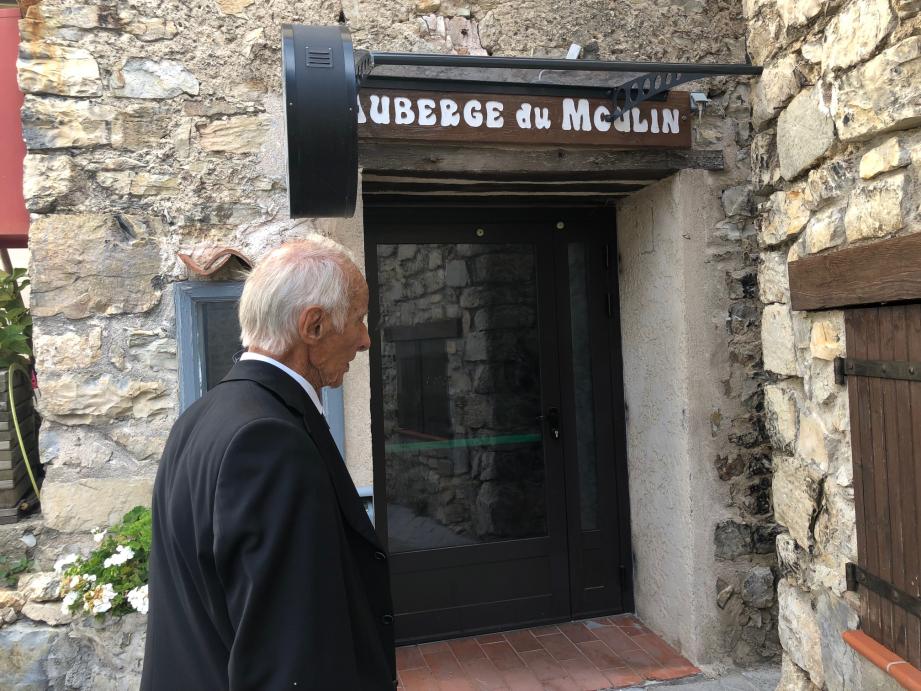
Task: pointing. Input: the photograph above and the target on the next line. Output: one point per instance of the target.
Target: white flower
(99, 534)
(69, 600)
(101, 598)
(137, 598)
(122, 554)
(64, 561)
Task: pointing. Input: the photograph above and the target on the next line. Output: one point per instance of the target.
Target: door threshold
(598, 653)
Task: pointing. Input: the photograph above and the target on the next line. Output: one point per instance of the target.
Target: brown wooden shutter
(883, 360)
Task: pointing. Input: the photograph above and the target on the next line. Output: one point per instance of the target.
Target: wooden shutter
(883, 359)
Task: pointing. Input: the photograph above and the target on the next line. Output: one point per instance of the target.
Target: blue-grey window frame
(188, 297)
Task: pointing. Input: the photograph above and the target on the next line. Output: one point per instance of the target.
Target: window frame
(188, 298)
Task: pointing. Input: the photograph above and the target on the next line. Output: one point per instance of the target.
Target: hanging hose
(22, 446)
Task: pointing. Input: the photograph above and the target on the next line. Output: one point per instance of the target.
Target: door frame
(412, 216)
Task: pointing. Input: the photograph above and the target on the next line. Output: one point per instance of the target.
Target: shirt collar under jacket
(306, 385)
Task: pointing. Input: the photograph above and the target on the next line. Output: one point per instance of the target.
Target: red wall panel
(14, 219)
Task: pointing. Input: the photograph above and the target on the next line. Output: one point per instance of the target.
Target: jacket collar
(294, 397)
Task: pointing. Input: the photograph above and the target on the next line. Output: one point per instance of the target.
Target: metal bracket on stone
(877, 369)
(645, 87)
(856, 575)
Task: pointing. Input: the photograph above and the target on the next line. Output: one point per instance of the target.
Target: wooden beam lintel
(882, 272)
(529, 162)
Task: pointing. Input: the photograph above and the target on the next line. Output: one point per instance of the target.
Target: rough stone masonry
(836, 162)
(153, 127)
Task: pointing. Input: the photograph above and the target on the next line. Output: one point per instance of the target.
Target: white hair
(288, 280)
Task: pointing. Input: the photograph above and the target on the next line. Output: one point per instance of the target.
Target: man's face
(333, 352)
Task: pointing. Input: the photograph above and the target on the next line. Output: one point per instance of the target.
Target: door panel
(494, 462)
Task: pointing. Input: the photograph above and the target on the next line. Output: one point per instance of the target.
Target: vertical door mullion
(550, 376)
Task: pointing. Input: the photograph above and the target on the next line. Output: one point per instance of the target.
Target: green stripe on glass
(464, 442)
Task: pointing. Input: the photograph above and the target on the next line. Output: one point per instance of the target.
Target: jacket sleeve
(277, 549)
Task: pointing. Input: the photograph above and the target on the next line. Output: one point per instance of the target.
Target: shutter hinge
(877, 369)
(610, 299)
(607, 256)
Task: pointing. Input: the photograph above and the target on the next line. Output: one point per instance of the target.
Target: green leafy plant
(113, 578)
(11, 568)
(15, 320)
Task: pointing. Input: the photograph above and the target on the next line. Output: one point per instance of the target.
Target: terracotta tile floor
(580, 656)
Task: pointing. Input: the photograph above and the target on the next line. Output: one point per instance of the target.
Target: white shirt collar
(306, 385)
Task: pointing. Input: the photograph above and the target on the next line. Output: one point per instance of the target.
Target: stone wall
(836, 162)
(155, 127)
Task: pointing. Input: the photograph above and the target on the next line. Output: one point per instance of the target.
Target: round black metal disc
(321, 120)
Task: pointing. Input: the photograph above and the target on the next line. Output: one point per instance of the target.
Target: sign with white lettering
(522, 119)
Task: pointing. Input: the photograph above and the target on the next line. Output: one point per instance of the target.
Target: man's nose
(365, 342)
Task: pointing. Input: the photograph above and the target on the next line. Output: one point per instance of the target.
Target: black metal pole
(435, 60)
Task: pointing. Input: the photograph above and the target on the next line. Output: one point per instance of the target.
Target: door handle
(552, 418)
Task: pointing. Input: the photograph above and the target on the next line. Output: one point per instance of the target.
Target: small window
(208, 332)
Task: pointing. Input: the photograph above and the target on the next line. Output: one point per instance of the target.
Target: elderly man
(265, 572)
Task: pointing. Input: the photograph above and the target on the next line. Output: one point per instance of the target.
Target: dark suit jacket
(265, 572)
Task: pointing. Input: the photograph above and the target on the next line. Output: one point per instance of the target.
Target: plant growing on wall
(113, 578)
(15, 320)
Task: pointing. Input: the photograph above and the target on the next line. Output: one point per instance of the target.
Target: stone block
(67, 351)
(839, 660)
(796, 490)
(80, 505)
(764, 163)
(796, 13)
(791, 558)
(758, 587)
(781, 411)
(42, 586)
(50, 613)
(826, 183)
(787, 214)
(146, 445)
(234, 6)
(44, 68)
(74, 400)
(47, 181)
(765, 35)
(49, 123)
(152, 351)
(811, 444)
(853, 35)
(146, 78)
(889, 155)
(805, 131)
(792, 678)
(93, 264)
(152, 29)
(875, 209)
(882, 95)
(773, 283)
(737, 201)
(24, 651)
(145, 184)
(732, 539)
(139, 127)
(76, 447)
(826, 341)
(799, 631)
(774, 89)
(777, 340)
(824, 230)
(243, 134)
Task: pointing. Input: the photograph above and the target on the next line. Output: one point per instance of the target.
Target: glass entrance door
(476, 478)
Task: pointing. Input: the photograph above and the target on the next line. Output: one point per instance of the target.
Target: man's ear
(311, 326)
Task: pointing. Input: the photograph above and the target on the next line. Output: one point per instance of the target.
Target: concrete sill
(908, 676)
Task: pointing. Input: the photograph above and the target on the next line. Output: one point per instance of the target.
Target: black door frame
(595, 227)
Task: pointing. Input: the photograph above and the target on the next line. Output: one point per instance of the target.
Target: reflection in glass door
(492, 426)
(461, 394)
